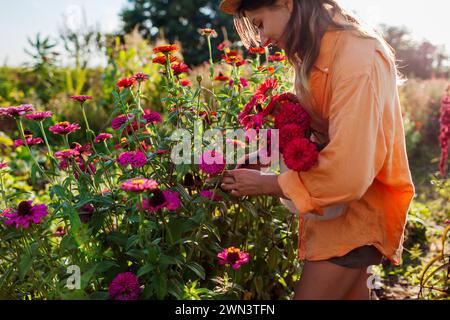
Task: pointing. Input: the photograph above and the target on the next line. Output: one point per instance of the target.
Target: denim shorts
(358, 258)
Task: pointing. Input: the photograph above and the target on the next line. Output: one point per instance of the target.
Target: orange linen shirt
(364, 166)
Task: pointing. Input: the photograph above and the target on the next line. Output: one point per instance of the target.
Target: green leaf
(161, 286)
(104, 266)
(198, 269)
(24, 265)
(145, 269)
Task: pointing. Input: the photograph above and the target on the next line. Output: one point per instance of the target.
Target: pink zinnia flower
(16, 111)
(67, 154)
(137, 159)
(81, 99)
(211, 195)
(64, 128)
(444, 137)
(139, 184)
(234, 257)
(300, 155)
(151, 116)
(166, 199)
(39, 116)
(118, 122)
(102, 137)
(125, 286)
(26, 213)
(212, 162)
(126, 82)
(30, 142)
(140, 77)
(3, 165)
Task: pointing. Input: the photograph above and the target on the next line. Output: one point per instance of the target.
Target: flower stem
(22, 134)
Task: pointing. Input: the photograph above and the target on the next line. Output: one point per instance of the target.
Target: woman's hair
(309, 21)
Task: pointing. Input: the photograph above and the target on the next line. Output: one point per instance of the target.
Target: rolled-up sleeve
(354, 156)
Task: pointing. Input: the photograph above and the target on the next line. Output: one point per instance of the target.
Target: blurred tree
(179, 20)
(420, 59)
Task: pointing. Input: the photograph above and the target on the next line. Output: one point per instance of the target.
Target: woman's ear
(289, 4)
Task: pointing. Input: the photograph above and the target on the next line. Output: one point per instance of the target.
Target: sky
(21, 19)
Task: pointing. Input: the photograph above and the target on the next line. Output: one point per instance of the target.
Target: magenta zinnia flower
(444, 137)
(290, 132)
(152, 116)
(30, 141)
(39, 116)
(102, 137)
(139, 184)
(118, 122)
(234, 257)
(26, 213)
(81, 99)
(211, 195)
(300, 155)
(137, 159)
(166, 199)
(3, 165)
(64, 128)
(140, 77)
(16, 111)
(125, 286)
(212, 162)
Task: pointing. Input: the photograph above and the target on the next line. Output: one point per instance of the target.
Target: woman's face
(271, 22)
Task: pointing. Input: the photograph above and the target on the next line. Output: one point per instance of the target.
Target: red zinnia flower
(292, 113)
(222, 78)
(258, 50)
(269, 84)
(300, 154)
(277, 57)
(290, 132)
(185, 82)
(179, 68)
(126, 82)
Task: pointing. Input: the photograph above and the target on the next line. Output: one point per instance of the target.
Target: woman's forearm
(271, 187)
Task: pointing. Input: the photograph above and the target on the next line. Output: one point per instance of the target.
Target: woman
(353, 205)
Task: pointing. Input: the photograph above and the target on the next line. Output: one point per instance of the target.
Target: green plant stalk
(22, 134)
(2, 190)
(211, 62)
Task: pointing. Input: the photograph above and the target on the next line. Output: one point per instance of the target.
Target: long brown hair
(308, 23)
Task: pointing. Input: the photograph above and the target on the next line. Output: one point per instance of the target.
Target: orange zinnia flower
(162, 60)
(208, 32)
(168, 48)
(257, 50)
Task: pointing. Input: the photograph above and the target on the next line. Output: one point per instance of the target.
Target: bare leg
(360, 290)
(323, 280)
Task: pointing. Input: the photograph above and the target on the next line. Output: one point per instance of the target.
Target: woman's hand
(245, 182)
